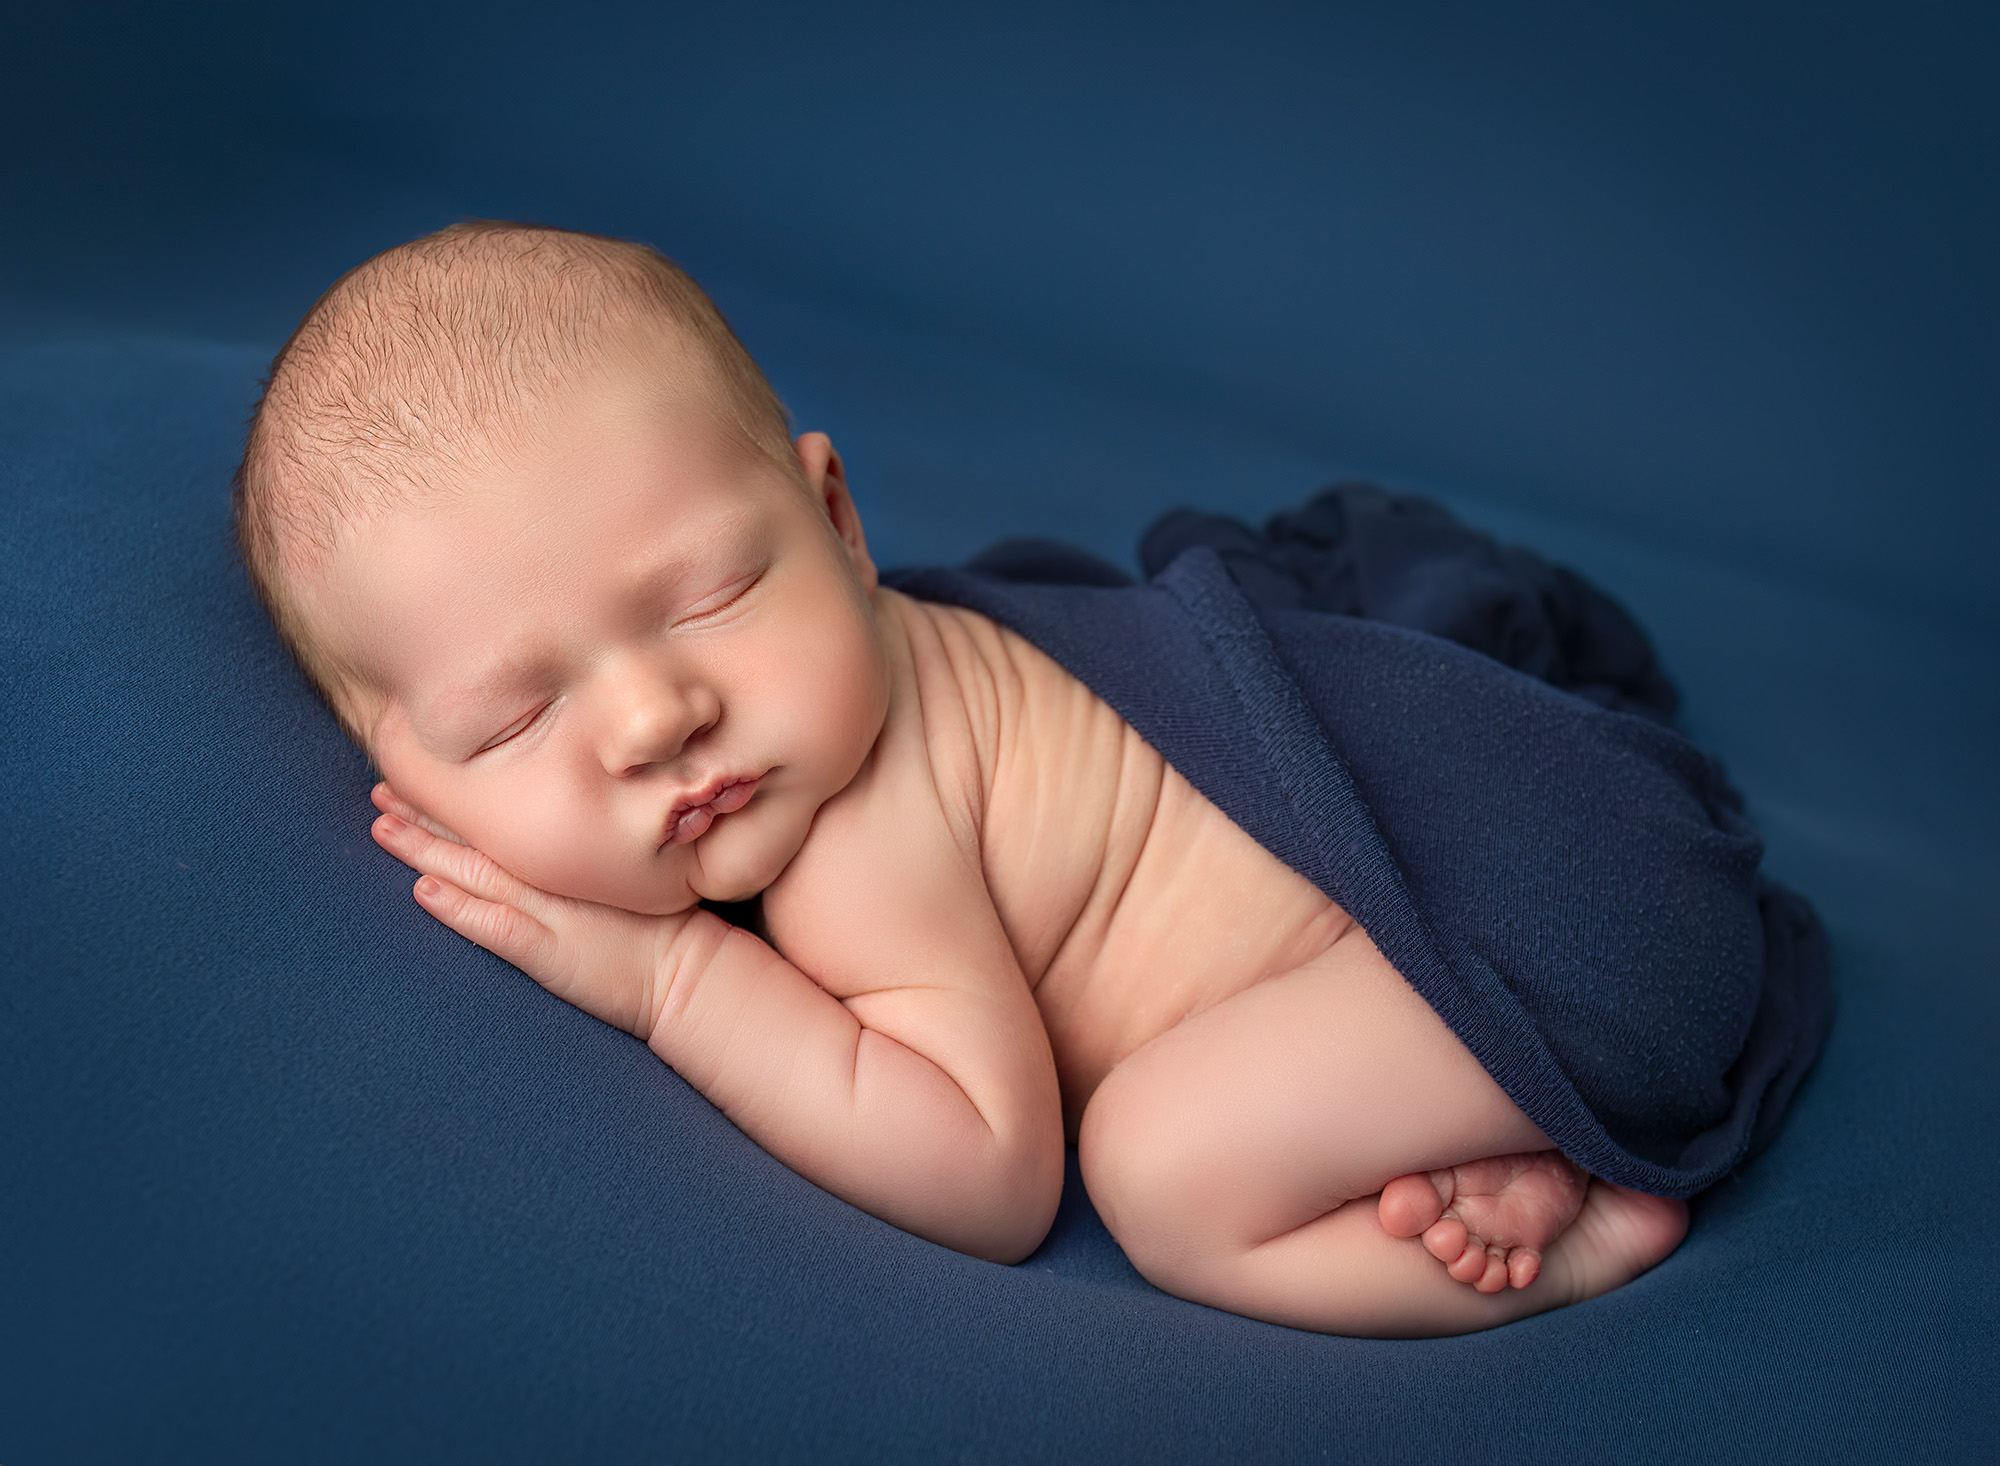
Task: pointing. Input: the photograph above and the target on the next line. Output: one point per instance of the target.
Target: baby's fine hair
(417, 358)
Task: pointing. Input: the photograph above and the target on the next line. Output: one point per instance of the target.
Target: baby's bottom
(1305, 1152)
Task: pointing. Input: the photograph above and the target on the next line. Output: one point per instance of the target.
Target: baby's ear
(826, 480)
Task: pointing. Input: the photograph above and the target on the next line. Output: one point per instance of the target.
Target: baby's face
(628, 659)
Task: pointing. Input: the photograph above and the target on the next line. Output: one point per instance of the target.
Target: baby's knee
(1155, 1173)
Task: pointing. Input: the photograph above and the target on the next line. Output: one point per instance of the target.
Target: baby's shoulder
(1018, 710)
(1064, 787)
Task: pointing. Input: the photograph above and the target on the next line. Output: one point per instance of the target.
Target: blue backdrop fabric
(1698, 301)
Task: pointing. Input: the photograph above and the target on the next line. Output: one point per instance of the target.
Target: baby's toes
(1448, 1240)
(1524, 1265)
(1409, 1204)
(1471, 1265)
(1493, 1276)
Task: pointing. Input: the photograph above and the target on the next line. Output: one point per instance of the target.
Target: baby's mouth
(691, 821)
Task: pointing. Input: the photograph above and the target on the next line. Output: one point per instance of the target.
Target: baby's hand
(606, 961)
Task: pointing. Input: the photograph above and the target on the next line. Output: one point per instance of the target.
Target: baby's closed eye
(714, 606)
(533, 718)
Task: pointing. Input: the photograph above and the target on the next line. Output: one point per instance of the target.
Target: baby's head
(532, 522)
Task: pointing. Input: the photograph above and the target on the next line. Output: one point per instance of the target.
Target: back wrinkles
(1130, 900)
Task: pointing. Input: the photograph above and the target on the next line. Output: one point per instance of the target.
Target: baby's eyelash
(732, 597)
(509, 734)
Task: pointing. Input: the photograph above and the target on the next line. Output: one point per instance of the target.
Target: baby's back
(1130, 900)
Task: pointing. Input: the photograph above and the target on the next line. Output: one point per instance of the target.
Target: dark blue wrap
(1572, 887)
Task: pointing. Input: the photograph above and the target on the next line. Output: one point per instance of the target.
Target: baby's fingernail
(430, 886)
(391, 825)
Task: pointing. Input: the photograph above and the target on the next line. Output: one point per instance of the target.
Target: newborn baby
(534, 525)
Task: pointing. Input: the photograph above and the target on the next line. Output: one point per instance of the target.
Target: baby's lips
(692, 824)
(734, 797)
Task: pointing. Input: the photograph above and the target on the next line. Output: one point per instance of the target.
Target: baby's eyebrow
(460, 712)
(661, 578)
(689, 570)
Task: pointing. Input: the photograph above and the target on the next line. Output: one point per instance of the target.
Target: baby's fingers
(391, 803)
(460, 865)
(503, 930)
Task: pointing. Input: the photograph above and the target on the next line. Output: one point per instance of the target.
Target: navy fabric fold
(1572, 887)
(1360, 550)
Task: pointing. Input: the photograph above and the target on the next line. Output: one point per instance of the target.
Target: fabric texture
(1574, 890)
(1360, 550)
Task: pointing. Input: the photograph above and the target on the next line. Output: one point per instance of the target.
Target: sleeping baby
(535, 526)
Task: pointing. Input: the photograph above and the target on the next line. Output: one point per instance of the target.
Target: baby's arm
(926, 1095)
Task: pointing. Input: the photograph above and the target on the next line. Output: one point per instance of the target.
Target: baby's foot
(1488, 1221)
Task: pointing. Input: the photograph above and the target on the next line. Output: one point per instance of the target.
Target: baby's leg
(1240, 1159)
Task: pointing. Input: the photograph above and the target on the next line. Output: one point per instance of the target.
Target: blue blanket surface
(1570, 884)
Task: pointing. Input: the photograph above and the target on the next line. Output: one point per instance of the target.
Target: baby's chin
(722, 879)
(728, 871)
(740, 858)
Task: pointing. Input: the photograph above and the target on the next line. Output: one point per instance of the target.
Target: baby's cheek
(556, 842)
(840, 688)
(568, 841)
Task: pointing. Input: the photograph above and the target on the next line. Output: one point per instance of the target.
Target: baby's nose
(651, 719)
